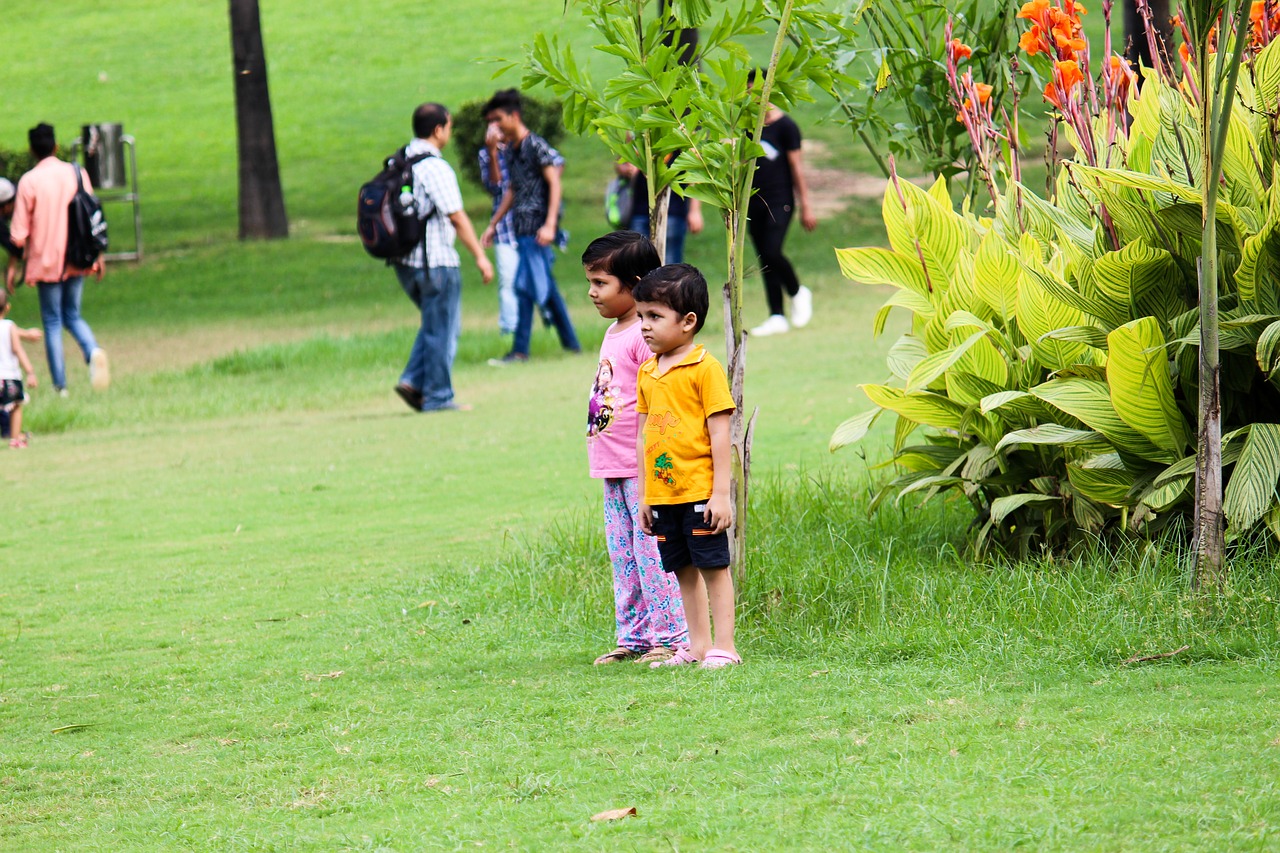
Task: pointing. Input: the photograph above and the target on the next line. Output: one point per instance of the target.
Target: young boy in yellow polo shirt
(683, 403)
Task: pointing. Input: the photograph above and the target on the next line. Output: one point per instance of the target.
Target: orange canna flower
(1184, 53)
(959, 50)
(1031, 41)
(1068, 74)
(1034, 11)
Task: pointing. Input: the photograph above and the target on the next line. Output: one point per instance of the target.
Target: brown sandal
(657, 654)
(617, 655)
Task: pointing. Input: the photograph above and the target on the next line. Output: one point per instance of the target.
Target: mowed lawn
(252, 602)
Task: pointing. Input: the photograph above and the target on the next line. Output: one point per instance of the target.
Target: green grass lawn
(251, 602)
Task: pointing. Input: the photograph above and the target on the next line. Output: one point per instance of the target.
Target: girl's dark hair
(680, 287)
(627, 255)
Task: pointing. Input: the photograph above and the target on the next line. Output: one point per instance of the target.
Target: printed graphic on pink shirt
(605, 396)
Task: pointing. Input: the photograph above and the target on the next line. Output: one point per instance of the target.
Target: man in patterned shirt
(533, 199)
(430, 274)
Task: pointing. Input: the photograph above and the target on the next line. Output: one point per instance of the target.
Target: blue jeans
(534, 279)
(677, 227)
(59, 308)
(438, 294)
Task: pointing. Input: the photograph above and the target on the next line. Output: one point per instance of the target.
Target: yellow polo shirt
(677, 446)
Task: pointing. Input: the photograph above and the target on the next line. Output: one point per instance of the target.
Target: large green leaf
(919, 227)
(935, 364)
(881, 266)
(995, 275)
(1001, 507)
(904, 355)
(1251, 491)
(1103, 479)
(1126, 278)
(1266, 76)
(1268, 350)
(1089, 401)
(1052, 434)
(933, 410)
(853, 430)
(1039, 313)
(1141, 389)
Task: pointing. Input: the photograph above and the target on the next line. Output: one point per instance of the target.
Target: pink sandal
(716, 659)
(680, 658)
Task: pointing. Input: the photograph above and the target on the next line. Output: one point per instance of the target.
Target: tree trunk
(740, 427)
(262, 213)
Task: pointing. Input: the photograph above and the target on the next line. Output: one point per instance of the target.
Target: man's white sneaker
(775, 325)
(802, 307)
(99, 370)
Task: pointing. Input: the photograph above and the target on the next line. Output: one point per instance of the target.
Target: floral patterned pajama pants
(647, 599)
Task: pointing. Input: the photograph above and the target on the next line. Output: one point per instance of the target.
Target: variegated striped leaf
(853, 430)
(1089, 402)
(1141, 389)
(1052, 434)
(881, 266)
(933, 410)
(995, 275)
(1103, 479)
(1251, 491)
(1001, 507)
(919, 227)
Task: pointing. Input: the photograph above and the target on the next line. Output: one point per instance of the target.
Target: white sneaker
(802, 307)
(99, 370)
(775, 325)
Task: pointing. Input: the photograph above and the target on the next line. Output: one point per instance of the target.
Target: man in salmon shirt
(40, 229)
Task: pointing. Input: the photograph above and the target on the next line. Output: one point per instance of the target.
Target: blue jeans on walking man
(536, 286)
(59, 308)
(438, 294)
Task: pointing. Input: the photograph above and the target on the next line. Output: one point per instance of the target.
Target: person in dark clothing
(779, 184)
(7, 193)
(684, 216)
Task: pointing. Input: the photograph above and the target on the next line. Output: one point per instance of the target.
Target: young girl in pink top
(650, 615)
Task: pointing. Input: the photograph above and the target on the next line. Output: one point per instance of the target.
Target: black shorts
(10, 391)
(684, 539)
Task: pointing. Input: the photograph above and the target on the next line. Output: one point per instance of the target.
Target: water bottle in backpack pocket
(387, 218)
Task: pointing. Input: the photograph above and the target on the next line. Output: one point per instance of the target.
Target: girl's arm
(646, 513)
(719, 512)
(16, 339)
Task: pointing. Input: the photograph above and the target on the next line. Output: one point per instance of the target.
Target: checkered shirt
(434, 186)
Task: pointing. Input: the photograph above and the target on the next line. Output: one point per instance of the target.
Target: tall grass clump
(884, 587)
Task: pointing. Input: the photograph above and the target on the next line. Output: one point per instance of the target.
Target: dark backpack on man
(387, 218)
(86, 227)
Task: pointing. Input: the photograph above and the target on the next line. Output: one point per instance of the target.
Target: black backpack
(389, 224)
(86, 227)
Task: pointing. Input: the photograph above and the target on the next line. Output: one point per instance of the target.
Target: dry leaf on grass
(309, 677)
(818, 672)
(615, 814)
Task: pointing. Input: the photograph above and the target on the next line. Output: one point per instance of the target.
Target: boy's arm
(508, 199)
(462, 224)
(719, 512)
(807, 219)
(22, 356)
(695, 216)
(32, 334)
(547, 233)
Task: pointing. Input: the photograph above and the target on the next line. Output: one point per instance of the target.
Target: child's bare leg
(719, 586)
(694, 594)
(15, 422)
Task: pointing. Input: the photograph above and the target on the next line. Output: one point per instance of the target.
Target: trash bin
(104, 155)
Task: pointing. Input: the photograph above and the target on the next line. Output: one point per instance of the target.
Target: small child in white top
(647, 605)
(13, 363)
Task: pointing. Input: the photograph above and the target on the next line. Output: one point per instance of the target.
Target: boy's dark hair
(427, 118)
(41, 140)
(507, 100)
(680, 287)
(627, 255)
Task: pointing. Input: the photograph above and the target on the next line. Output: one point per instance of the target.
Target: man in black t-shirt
(779, 183)
(533, 197)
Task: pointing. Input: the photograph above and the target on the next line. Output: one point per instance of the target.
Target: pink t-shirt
(40, 218)
(611, 412)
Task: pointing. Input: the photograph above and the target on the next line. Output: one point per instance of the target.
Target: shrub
(1052, 355)
(15, 164)
(543, 117)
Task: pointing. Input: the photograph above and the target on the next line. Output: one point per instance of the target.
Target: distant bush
(544, 118)
(14, 164)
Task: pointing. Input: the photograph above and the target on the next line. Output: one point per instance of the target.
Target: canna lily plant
(1050, 373)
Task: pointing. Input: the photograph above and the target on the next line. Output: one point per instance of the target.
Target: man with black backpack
(41, 227)
(430, 273)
